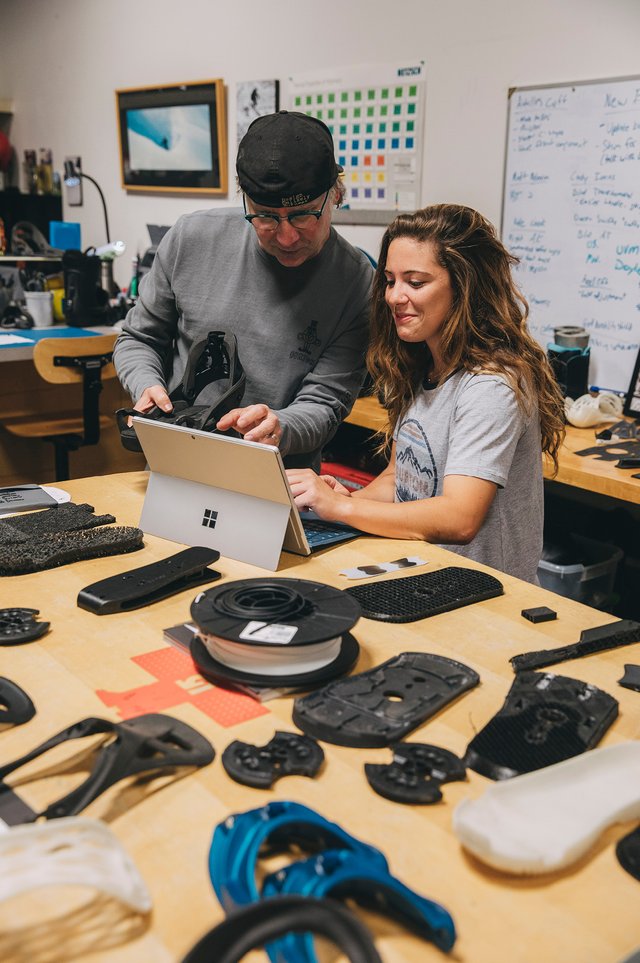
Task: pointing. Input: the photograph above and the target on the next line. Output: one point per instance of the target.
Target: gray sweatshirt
(302, 332)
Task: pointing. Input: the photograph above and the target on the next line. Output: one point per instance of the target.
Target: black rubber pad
(379, 707)
(418, 596)
(545, 718)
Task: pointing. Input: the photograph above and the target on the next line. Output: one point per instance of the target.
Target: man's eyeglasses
(266, 223)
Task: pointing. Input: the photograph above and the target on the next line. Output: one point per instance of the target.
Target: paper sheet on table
(6, 339)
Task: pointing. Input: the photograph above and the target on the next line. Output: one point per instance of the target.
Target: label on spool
(266, 632)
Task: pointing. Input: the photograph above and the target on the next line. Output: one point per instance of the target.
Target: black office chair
(64, 361)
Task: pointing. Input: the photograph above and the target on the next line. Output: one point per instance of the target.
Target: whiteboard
(571, 213)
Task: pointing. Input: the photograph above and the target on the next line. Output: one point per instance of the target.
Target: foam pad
(546, 820)
(57, 536)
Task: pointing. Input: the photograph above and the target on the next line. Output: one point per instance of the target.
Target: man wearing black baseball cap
(291, 289)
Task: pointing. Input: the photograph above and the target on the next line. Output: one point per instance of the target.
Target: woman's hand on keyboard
(318, 493)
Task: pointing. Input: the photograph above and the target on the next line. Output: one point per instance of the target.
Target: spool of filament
(274, 632)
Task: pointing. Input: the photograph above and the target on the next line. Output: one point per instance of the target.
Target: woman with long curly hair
(471, 399)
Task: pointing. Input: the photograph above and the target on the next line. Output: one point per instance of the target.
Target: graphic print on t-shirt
(416, 472)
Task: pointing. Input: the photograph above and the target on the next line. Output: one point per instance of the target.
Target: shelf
(29, 258)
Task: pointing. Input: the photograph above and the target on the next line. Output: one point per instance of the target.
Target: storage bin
(581, 569)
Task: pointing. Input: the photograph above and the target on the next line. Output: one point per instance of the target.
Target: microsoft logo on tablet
(209, 518)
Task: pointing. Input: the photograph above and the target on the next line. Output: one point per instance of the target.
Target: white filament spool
(274, 660)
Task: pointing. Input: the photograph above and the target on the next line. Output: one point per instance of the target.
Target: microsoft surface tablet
(226, 493)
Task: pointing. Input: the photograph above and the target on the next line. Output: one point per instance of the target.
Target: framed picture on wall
(632, 400)
(174, 138)
(254, 98)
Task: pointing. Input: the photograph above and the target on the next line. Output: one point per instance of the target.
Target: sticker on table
(368, 571)
(177, 683)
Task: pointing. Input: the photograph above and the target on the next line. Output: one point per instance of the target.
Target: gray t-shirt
(472, 425)
(302, 332)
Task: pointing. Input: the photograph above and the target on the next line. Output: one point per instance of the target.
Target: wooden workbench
(85, 664)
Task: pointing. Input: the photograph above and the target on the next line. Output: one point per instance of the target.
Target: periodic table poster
(376, 116)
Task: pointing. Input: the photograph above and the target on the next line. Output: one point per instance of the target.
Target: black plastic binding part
(631, 677)
(287, 754)
(613, 635)
(419, 596)
(628, 853)
(259, 923)
(150, 583)
(20, 625)
(146, 744)
(16, 707)
(377, 708)
(415, 774)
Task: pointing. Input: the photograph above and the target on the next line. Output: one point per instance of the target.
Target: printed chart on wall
(571, 213)
(375, 114)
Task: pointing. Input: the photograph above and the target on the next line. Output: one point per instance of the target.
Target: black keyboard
(321, 533)
(599, 639)
(418, 596)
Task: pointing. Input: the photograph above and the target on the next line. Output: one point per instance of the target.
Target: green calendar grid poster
(376, 116)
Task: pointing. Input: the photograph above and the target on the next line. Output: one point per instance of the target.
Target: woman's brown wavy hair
(486, 331)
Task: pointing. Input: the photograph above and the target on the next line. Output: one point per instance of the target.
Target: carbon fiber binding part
(287, 754)
(545, 718)
(377, 708)
(415, 774)
(20, 625)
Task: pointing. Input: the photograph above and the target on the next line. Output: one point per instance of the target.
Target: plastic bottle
(133, 287)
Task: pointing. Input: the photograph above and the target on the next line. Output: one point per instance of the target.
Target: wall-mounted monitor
(174, 138)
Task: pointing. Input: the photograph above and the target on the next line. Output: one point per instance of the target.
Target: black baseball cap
(286, 159)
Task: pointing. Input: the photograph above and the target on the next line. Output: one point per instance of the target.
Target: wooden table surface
(580, 471)
(587, 914)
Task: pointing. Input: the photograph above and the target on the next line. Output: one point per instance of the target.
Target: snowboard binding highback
(213, 384)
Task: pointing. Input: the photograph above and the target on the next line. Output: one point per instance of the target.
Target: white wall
(62, 60)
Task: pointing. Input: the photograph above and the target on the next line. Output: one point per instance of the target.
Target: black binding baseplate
(628, 853)
(377, 708)
(16, 707)
(20, 625)
(145, 744)
(286, 754)
(419, 596)
(545, 718)
(415, 773)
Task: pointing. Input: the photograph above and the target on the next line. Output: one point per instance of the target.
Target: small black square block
(541, 614)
